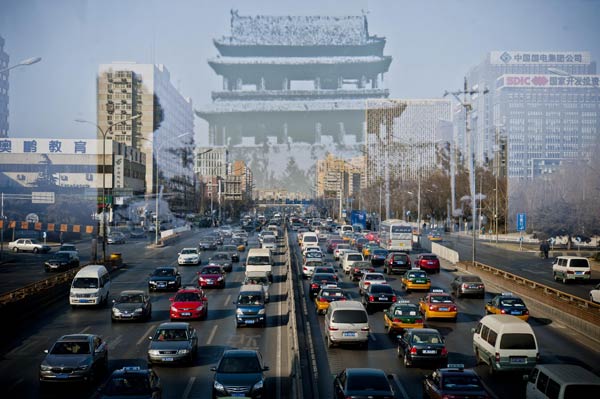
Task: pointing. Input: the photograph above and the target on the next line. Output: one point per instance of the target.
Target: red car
(428, 262)
(189, 303)
(211, 276)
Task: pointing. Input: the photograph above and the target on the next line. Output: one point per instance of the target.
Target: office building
(164, 131)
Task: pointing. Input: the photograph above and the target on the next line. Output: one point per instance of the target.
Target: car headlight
(262, 311)
(199, 308)
(183, 351)
(218, 386)
(239, 312)
(153, 352)
(152, 282)
(220, 279)
(116, 311)
(258, 385)
(173, 309)
(45, 367)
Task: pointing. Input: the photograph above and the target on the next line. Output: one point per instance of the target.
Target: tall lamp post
(468, 106)
(104, 134)
(28, 61)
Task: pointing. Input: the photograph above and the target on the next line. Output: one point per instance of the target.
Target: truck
(358, 218)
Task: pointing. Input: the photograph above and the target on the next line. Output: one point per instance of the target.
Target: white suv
(567, 268)
(348, 259)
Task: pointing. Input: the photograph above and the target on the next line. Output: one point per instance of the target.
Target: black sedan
(222, 259)
(61, 261)
(319, 280)
(165, 278)
(454, 382)
(131, 305)
(378, 296)
(363, 383)
(422, 346)
(132, 382)
(239, 373)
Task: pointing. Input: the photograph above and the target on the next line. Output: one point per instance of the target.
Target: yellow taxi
(402, 315)
(326, 295)
(438, 305)
(366, 251)
(241, 247)
(416, 280)
(507, 303)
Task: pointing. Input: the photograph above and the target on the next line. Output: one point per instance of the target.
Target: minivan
(567, 268)
(309, 239)
(561, 381)
(346, 322)
(250, 306)
(90, 286)
(260, 260)
(505, 343)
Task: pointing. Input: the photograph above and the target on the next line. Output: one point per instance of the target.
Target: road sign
(521, 221)
(42, 197)
(32, 218)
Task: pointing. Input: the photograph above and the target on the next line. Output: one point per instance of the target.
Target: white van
(260, 260)
(567, 268)
(309, 239)
(90, 286)
(346, 322)
(505, 343)
(561, 381)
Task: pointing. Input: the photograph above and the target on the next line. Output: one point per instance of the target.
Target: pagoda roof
(299, 60)
(227, 107)
(268, 30)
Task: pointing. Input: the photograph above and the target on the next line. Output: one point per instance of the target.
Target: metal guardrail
(38, 286)
(295, 372)
(562, 301)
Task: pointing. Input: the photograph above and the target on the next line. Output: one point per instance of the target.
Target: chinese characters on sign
(548, 81)
(50, 146)
(539, 57)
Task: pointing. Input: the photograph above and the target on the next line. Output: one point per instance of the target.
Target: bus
(395, 235)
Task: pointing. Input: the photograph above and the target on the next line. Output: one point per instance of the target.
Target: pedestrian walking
(544, 249)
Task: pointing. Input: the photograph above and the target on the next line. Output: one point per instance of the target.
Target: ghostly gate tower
(294, 89)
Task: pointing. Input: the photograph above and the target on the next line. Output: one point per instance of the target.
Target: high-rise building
(337, 176)
(164, 131)
(498, 63)
(4, 59)
(211, 161)
(294, 87)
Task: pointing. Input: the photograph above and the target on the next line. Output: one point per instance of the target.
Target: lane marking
(112, 343)
(146, 335)
(85, 330)
(188, 388)
(212, 335)
(372, 338)
(227, 300)
(16, 383)
(400, 386)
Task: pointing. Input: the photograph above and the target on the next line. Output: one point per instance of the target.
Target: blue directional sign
(521, 221)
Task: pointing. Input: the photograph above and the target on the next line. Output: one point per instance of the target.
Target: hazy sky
(433, 44)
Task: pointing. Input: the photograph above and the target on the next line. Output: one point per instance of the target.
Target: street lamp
(28, 61)
(104, 134)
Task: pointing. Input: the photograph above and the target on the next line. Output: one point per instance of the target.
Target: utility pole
(468, 106)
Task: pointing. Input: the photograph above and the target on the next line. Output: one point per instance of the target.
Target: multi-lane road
(22, 352)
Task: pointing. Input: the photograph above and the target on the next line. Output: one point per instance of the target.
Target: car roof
(133, 292)
(180, 325)
(240, 353)
(414, 331)
(75, 337)
(350, 372)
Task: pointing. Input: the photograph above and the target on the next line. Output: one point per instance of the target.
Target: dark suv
(396, 262)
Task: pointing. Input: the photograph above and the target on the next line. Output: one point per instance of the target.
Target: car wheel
(398, 351)
(477, 357)
(491, 367)
(35, 250)
(555, 276)
(564, 280)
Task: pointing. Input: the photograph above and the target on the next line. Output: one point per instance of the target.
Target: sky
(433, 45)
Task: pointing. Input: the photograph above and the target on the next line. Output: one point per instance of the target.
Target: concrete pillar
(340, 82)
(317, 83)
(225, 83)
(375, 82)
(285, 133)
(261, 85)
(238, 84)
(318, 133)
(342, 132)
(285, 85)
(363, 82)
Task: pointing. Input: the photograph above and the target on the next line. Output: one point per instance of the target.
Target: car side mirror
(525, 378)
(172, 299)
(473, 330)
(213, 369)
(150, 338)
(46, 351)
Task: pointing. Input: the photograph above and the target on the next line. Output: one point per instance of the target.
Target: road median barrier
(577, 313)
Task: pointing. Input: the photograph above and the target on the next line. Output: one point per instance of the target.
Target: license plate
(186, 314)
(62, 376)
(578, 272)
(250, 321)
(518, 360)
(515, 312)
(429, 352)
(383, 298)
(238, 394)
(349, 334)
(125, 315)
(168, 359)
(210, 282)
(84, 301)
(162, 285)
(420, 282)
(443, 309)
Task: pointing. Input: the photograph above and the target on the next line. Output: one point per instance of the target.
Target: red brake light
(453, 308)
(431, 307)
(526, 312)
(497, 357)
(371, 298)
(313, 285)
(503, 311)
(413, 351)
(396, 320)
(419, 321)
(465, 286)
(333, 329)
(322, 299)
(444, 352)
(394, 298)
(364, 329)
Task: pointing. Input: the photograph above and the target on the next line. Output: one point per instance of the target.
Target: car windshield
(249, 299)
(440, 299)
(258, 260)
(426, 338)
(131, 298)
(129, 385)
(343, 246)
(379, 252)
(374, 277)
(349, 316)
(471, 279)
(239, 365)
(229, 248)
(211, 270)
(220, 257)
(462, 383)
(417, 275)
(61, 256)
(355, 257)
(368, 383)
(429, 257)
(405, 311)
(171, 334)
(514, 302)
(517, 341)
(85, 282)
(188, 297)
(68, 248)
(579, 263)
(164, 272)
(71, 348)
(189, 252)
(381, 288)
(263, 280)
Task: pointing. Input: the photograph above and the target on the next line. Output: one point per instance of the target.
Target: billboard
(550, 81)
(539, 57)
